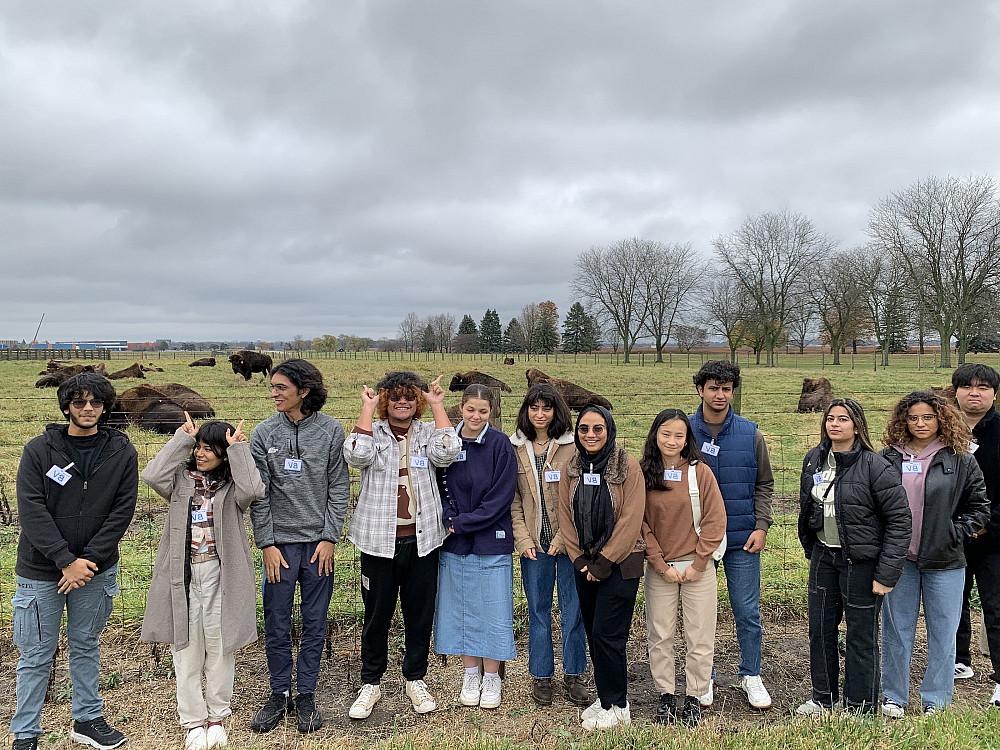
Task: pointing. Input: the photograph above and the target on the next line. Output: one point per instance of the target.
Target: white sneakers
(472, 684)
(591, 710)
(492, 691)
(197, 739)
(963, 671)
(215, 736)
(995, 700)
(757, 694)
(892, 710)
(602, 718)
(812, 708)
(708, 698)
(368, 696)
(423, 702)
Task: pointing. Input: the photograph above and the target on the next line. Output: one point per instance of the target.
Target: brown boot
(541, 690)
(576, 689)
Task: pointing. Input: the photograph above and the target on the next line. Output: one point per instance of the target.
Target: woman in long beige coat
(202, 598)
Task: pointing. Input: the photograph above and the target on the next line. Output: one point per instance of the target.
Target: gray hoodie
(304, 505)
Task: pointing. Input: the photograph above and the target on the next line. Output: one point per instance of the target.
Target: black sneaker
(666, 712)
(310, 719)
(97, 733)
(25, 743)
(691, 713)
(272, 712)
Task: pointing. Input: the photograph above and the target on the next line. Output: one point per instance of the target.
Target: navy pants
(315, 592)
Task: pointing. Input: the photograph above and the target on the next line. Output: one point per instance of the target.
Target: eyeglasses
(82, 403)
(925, 418)
(598, 429)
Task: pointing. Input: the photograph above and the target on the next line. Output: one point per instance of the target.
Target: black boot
(691, 713)
(272, 712)
(310, 719)
(666, 712)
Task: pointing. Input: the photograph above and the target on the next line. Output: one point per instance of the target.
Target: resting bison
(463, 380)
(135, 371)
(576, 396)
(946, 392)
(159, 408)
(150, 368)
(56, 372)
(508, 360)
(816, 395)
(246, 363)
(203, 362)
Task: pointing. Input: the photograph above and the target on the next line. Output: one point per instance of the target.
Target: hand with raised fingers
(435, 393)
(236, 437)
(369, 398)
(188, 425)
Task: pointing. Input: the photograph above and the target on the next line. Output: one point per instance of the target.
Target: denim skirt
(474, 615)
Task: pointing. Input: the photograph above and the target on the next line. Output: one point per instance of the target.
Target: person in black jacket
(928, 442)
(854, 525)
(76, 492)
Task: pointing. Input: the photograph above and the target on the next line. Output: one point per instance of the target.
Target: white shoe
(591, 710)
(963, 671)
(472, 684)
(892, 710)
(216, 736)
(196, 739)
(757, 694)
(608, 718)
(368, 696)
(423, 702)
(708, 698)
(812, 708)
(492, 691)
(995, 700)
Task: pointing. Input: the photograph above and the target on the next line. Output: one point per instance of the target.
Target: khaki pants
(203, 653)
(700, 605)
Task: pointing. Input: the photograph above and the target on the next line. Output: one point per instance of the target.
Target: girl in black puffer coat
(854, 525)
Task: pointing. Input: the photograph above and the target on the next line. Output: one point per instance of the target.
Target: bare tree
(945, 233)
(885, 293)
(800, 324)
(726, 312)
(770, 256)
(529, 319)
(839, 301)
(443, 325)
(689, 336)
(674, 271)
(615, 278)
(410, 330)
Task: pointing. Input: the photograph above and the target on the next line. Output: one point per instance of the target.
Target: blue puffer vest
(736, 470)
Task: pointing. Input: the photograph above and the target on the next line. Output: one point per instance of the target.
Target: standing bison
(246, 363)
(576, 396)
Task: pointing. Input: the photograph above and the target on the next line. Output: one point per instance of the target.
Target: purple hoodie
(914, 483)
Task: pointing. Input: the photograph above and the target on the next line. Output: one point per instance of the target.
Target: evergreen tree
(467, 339)
(592, 334)
(574, 329)
(490, 333)
(514, 340)
(468, 325)
(548, 327)
(429, 341)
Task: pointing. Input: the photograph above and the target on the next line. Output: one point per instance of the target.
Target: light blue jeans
(38, 608)
(941, 591)
(743, 581)
(539, 577)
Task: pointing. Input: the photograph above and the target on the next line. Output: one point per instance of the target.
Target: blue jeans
(38, 608)
(941, 591)
(538, 578)
(743, 581)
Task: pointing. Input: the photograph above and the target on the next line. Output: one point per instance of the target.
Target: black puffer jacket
(955, 506)
(873, 517)
(987, 434)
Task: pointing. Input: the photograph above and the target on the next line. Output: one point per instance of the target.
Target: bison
(159, 408)
(203, 362)
(134, 371)
(150, 368)
(463, 380)
(246, 363)
(816, 395)
(56, 372)
(508, 360)
(576, 396)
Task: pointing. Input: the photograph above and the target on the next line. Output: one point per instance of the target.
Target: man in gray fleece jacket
(299, 453)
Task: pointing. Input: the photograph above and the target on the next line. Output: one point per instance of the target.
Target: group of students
(442, 509)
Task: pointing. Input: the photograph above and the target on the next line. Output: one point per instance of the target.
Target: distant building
(142, 346)
(115, 346)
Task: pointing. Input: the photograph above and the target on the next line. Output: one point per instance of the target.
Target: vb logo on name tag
(420, 462)
(59, 476)
(501, 534)
(460, 456)
(912, 467)
(199, 516)
(293, 464)
(552, 476)
(817, 478)
(672, 475)
(592, 479)
(710, 449)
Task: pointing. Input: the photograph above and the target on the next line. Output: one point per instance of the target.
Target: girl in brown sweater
(680, 548)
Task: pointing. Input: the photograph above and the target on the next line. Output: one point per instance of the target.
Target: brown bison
(246, 363)
(150, 368)
(816, 395)
(203, 362)
(508, 360)
(134, 371)
(56, 372)
(463, 380)
(159, 408)
(576, 396)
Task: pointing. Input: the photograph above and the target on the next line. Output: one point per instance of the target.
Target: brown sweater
(668, 525)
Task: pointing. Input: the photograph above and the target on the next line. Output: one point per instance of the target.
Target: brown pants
(700, 605)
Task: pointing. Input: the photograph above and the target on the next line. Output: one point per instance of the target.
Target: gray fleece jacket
(307, 501)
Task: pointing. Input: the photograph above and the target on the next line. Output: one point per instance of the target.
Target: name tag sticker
(59, 476)
(420, 462)
(817, 478)
(912, 467)
(973, 446)
(553, 476)
(710, 448)
(293, 464)
(199, 516)
(460, 456)
(672, 475)
(592, 479)
(501, 534)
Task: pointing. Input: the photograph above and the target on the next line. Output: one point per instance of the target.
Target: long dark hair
(549, 396)
(213, 434)
(652, 461)
(857, 414)
(304, 374)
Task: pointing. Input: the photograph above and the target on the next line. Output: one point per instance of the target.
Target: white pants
(203, 653)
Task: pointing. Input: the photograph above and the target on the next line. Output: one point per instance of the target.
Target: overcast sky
(224, 170)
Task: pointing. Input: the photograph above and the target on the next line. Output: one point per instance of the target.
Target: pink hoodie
(914, 486)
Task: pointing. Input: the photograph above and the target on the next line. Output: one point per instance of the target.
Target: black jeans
(413, 580)
(984, 569)
(607, 607)
(839, 589)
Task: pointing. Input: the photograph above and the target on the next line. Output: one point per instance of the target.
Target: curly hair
(398, 384)
(952, 429)
(719, 370)
(78, 386)
(304, 374)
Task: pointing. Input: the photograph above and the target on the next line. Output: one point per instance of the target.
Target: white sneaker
(471, 686)
(963, 671)
(368, 696)
(423, 702)
(608, 718)
(892, 710)
(492, 691)
(995, 700)
(591, 710)
(812, 708)
(196, 739)
(757, 694)
(216, 736)
(708, 698)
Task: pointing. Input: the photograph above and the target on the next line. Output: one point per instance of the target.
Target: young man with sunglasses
(397, 525)
(77, 485)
